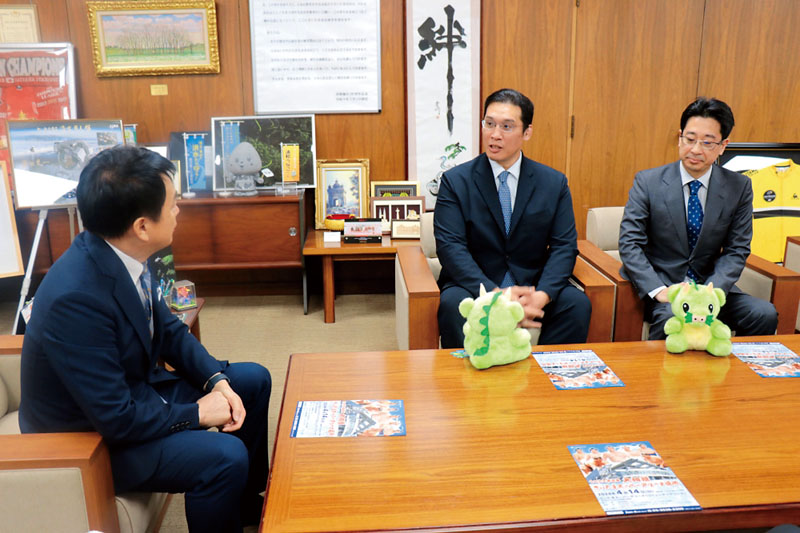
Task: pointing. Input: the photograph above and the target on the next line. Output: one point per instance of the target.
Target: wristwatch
(213, 380)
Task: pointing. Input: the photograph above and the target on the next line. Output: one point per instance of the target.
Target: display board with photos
(284, 144)
(37, 82)
(49, 155)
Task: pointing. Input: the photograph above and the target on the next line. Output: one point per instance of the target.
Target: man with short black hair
(90, 358)
(692, 220)
(505, 221)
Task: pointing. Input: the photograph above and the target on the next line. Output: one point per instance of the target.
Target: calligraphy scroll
(444, 88)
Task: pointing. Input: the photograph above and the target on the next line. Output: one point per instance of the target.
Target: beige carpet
(267, 330)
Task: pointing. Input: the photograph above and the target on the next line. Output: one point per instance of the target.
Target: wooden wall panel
(526, 46)
(380, 137)
(635, 71)
(750, 52)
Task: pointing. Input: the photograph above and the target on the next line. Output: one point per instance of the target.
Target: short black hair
(119, 185)
(710, 108)
(510, 96)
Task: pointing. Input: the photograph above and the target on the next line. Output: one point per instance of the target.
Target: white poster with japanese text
(316, 56)
(443, 61)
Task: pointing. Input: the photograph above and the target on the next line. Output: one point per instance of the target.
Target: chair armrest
(423, 298)
(600, 291)
(785, 290)
(85, 451)
(11, 344)
(628, 307)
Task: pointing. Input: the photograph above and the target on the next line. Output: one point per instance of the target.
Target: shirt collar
(134, 267)
(497, 168)
(687, 178)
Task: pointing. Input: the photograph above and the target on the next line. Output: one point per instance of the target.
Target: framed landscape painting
(154, 38)
(342, 188)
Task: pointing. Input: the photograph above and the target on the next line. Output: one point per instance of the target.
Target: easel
(26, 282)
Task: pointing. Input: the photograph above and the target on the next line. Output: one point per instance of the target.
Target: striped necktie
(505, 205)
(144, 280)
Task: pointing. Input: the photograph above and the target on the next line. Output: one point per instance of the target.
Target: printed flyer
(576, 369)
(349, 418)
(630, 478)
(768, 359)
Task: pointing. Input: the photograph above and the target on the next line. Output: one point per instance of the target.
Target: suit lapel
(124, 290)
(525, 187)
(672, 192)
(484, 181)
(715, 200)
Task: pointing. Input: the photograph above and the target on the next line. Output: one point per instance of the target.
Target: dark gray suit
(654, 246)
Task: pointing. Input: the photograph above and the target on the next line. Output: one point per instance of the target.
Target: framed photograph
(389, 208)
(19, 23)
(741, 157)
(49, 155)
(342, 188)
(44, 93)
(406, 229)
(231, 135)
(129, 131)
(194, 150)
(154, 38)
(394, 188)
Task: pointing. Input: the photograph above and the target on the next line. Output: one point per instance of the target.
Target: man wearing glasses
(693, 220)
(503, 220)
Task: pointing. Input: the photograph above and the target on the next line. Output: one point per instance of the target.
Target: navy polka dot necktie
(505, 204)
(694, 221)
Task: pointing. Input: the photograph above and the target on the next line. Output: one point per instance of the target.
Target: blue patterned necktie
(144, 280)
(505, 204)
(694, 221)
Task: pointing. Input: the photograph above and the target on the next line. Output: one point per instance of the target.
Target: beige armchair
(60, 481)
(417, 294)
(760, 278)
(791, 260)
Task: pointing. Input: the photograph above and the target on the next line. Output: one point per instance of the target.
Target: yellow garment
(776, 208)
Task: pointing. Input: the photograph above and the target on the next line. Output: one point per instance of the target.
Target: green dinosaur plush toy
(695, 325)
(491, 335)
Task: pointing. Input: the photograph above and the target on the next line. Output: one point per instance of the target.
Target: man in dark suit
(90, 358)
(693, 220)
(503, 220)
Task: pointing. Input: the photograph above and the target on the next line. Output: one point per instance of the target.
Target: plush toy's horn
(482, 290)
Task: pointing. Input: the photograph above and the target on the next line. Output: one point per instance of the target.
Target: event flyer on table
(349, 418)
(576, 369)
(768, 359)
(630, 477)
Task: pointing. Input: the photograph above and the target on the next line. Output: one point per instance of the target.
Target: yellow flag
(290, 162)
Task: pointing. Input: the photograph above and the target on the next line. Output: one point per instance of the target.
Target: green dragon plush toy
(491, 335)
(695, 325)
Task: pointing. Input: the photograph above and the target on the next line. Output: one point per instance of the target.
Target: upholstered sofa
(60, 481)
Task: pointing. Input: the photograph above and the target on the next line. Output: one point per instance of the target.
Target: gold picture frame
(122, 33)
(342, 188)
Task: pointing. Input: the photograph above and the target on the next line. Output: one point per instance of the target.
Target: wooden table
(340, 251)
(192, 317)
(487, 450)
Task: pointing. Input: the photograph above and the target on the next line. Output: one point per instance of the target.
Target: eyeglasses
(705, 145)
(489, 124)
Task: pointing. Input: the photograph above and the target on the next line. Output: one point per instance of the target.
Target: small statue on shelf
(242, 168)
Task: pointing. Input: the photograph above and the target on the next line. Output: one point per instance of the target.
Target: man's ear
(528, 133)
(139, 228)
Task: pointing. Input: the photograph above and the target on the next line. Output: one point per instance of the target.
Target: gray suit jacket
(653, 243)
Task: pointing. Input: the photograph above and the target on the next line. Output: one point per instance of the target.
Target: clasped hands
(532, 302)
(221, 408)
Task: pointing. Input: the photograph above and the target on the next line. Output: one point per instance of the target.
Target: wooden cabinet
(264, 231)
(213, 233)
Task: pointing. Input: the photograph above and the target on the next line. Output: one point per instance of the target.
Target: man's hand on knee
(237, 410)
(532, 302)
(214, 410)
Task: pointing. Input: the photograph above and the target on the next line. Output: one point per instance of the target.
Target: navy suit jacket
(471, 241)
(654, 245)
(89, 364)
